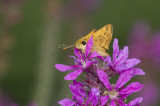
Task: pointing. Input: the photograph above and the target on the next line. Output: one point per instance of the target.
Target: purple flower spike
(94, 88)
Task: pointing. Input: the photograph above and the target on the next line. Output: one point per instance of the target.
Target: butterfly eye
(83, 42)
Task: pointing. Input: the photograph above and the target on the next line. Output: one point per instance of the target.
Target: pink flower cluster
(97, 87)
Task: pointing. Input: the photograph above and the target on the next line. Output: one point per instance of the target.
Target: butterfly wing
(103, 36)
(102, 39)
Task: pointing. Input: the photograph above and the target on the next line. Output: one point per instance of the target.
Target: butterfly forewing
(103, 36)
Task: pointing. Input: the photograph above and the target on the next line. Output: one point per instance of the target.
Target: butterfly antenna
(68, 47)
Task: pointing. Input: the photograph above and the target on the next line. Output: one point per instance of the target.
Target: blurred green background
(33, 32)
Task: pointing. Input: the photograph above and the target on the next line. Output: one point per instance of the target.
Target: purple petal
(115, 49)
(88, 63)
(120, 51)
(94, 97)
(129, 71)
(95, 54)
(73, 75)
(123, 96)
(138, 71)
(78, 93)
(89, 46)
(108, 60)
(76, 61)
(113, 103)
(78, 53)
(73, 57)
(123, 79)
(133, 87)
(63, 68)
(120, 68)
(66, 102)
(78, 88)
(104, 99)
(78, 84)
(104, 78)
(132, 62)
(135, 101)
(122, 56)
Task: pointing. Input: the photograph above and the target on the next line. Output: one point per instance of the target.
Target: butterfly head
(81, 44)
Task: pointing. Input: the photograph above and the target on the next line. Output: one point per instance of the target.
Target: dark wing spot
(99, 39)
